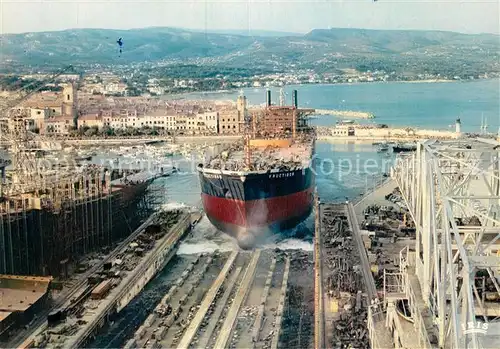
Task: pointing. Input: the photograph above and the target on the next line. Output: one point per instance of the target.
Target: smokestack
(268, 98)
(294, 97)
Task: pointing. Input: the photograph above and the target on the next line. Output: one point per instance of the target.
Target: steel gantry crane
(452, 190)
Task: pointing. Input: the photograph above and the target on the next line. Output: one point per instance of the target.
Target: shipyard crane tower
(23, 143)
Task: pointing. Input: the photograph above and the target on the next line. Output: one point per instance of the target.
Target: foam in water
(291, 239)
(204, 247)
(291, 244)
(206, 238)
(172, 206)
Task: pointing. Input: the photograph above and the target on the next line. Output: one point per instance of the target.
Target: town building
(230, 121)
(69, 105)
(209, 122)
(38, 117)
(61, 125)
(163, 119)
(91, 120)
(121, 119)
(51, 113)
(181, 123)
(192, 123)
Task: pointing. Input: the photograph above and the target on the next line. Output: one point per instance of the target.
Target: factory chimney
(294, 113)
(268, 98)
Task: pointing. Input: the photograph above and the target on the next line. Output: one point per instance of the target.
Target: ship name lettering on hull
(282, 175)
(212, 176)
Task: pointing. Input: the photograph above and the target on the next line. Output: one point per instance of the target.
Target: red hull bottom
(248, 221)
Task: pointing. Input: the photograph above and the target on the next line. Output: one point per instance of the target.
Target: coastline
(236, 89)
(433, 81)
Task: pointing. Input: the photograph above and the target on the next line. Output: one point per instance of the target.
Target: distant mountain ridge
(251, 32)
(318, 48)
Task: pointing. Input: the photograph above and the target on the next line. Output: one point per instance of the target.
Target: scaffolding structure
(450, 282)
(42, 232)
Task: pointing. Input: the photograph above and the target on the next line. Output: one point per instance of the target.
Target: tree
(131, 131)
(119, 132)
(107, 131)
(92, 131)
(133, 91)
(145, 130)
(82, 130)
(74, 132)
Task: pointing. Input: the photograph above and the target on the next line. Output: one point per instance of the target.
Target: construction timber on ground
(449, 283)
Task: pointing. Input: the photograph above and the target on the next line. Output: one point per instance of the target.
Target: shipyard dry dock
(264, 298)
(268, 298)
(240, 299)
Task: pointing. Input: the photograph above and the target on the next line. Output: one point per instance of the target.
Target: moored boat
(383, 147)
(400, 148)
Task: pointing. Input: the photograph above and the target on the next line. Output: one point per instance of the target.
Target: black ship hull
(257, 204)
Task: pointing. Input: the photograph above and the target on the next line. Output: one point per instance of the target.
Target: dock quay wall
(152, 263)
(319, 302)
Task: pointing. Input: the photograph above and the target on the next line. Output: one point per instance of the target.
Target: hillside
(100, 46)
(322, 49)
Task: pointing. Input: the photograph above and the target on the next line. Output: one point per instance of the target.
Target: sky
(299, 16)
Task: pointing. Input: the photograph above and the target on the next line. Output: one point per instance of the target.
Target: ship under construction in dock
(52, 214)
(264, 184)
(45, 231)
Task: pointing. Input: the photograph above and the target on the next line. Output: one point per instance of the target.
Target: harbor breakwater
(361, 132)
(345, 113)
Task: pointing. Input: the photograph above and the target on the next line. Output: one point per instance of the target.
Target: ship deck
(20, 294)
(18, 300)
(4, 315)
(266, 155)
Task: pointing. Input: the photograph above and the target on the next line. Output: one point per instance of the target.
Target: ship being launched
(264, 183)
